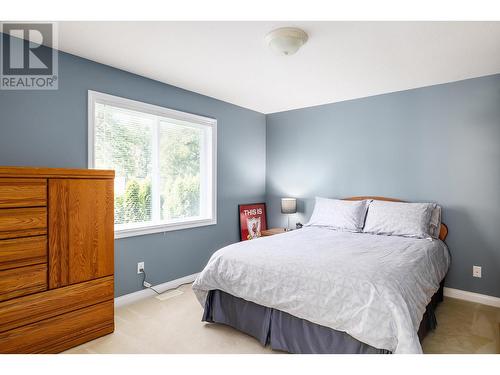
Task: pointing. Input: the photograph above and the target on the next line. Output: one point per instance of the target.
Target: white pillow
(339, 214)
(435, 222)
(399, 219)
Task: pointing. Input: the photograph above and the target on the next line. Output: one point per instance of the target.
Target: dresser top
(43, 172)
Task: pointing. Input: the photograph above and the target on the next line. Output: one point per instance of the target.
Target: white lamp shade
(288, 205)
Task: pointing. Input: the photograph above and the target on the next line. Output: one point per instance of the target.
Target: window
(164, 160)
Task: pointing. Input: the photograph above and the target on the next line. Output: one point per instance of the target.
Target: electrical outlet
(140, 267)
(476, 271)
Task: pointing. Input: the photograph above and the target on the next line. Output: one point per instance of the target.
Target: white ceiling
(341, 60)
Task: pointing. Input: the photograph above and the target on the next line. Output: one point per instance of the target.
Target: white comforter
(373, 287)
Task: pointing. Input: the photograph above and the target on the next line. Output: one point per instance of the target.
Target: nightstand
(272, 231)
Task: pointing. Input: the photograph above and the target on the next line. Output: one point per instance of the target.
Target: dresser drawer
(22, 222)
(20, 252)
(23, 192)
(25, 310)
(60, 332)
(22, 281)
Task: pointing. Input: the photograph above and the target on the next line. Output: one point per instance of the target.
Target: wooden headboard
(443, 231)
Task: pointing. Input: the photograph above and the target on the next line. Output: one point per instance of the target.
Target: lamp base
(288, 229)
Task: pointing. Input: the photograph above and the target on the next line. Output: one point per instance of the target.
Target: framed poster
(253, 220)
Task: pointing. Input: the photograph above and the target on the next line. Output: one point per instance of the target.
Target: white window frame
(116, 101)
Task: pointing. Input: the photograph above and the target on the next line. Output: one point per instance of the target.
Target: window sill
(159, 228)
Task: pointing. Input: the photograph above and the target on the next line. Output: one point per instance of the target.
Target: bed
(317, 290)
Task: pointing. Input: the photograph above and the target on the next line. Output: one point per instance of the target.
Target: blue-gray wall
(49, 128)
(439, 143)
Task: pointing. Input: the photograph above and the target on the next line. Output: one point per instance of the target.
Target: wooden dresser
(56, 258)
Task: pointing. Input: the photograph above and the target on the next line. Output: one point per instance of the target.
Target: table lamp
(288, 207)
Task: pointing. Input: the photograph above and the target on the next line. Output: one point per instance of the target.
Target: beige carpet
(174, 326)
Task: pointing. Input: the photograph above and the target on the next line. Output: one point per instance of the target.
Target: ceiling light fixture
(286, 40)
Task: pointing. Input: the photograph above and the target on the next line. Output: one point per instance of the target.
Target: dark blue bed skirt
(288, 333)
(280, 330)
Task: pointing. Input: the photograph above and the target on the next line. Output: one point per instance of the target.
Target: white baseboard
(145, 293)
(472, 297)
